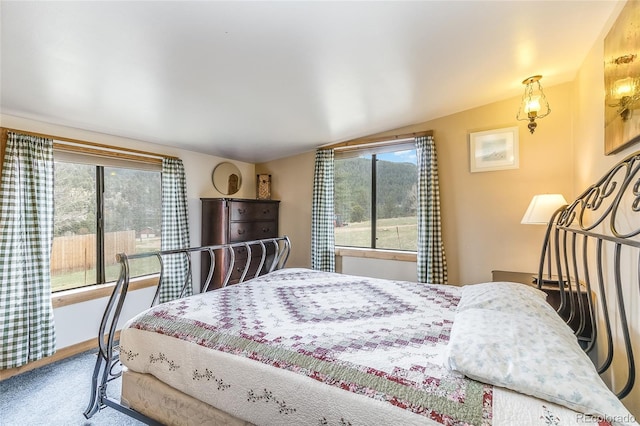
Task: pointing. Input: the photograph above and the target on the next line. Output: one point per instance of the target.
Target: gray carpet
(56, 395)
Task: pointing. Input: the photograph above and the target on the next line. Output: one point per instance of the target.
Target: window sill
(403, 256)
(79, 295)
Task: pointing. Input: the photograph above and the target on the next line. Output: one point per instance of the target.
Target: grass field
(394, 234)
(397, 234)
(138, 267)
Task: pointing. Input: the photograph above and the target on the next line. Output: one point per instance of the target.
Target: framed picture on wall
(493, 150)
(622, 81)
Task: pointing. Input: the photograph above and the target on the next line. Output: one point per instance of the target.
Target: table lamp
(541, 208)
(539, 212)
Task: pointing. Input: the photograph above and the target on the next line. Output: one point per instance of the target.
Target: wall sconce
(625, 91)
(534, 103)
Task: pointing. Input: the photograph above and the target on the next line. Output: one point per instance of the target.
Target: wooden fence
(79, 251)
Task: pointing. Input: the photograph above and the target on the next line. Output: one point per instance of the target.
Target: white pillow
(512, 297)
(497, 295)
(530, 355)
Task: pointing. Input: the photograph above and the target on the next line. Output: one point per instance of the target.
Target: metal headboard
(593, 245)
(272, 254)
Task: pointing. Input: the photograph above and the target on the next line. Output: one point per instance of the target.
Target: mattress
(299, 347)
(149, 396)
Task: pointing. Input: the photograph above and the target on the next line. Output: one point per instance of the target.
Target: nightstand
(553, 297)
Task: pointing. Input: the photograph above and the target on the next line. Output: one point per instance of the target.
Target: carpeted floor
(56, 395)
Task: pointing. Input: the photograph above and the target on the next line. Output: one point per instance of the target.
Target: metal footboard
(272, 252)
(593, 246)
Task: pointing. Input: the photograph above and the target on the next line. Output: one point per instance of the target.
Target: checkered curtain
(432, 264)
(175, 228)
(27, 330)
(322, 217)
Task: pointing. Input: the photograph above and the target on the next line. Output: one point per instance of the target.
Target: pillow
(497, 295)
(532, 356)
(512, 297)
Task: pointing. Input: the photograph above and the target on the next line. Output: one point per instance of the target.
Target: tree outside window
(375, 200)
(101, 211)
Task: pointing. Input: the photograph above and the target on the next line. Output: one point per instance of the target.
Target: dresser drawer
(248, 231)
(252, 211)
(236, 273)
(235, 220)
(256, 251)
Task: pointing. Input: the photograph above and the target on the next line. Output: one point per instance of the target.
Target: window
(375, 198)
(102, 207)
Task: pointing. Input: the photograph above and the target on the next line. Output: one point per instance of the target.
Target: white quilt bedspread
(301, 347)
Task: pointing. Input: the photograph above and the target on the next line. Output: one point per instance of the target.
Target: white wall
(378, 268)
(79, 322)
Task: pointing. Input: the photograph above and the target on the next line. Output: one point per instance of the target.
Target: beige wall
(481, 212)
(292, 183)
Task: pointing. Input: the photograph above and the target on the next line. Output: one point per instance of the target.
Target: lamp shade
(542, 207)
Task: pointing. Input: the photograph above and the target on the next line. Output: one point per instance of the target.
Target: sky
(408, 156)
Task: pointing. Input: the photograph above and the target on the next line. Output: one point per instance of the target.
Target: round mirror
(226, 178)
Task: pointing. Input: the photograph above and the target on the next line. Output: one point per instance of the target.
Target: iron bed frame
(594, 244)
(274, 253)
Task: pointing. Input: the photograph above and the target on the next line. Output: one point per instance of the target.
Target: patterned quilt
(305, 347)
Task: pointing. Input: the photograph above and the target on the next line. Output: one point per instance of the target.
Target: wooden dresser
(231, 220)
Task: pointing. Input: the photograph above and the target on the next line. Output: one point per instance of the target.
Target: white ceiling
(256, 81)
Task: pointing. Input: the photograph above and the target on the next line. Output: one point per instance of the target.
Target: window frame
(374, 150)
(101, 159)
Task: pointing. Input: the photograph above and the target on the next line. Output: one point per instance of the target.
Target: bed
(300, 347)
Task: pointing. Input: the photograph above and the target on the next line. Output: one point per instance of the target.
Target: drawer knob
(240, 231)
(265, 230)
(266, 211)
(242, 211)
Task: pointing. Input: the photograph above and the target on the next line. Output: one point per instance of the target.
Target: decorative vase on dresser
(231, 220)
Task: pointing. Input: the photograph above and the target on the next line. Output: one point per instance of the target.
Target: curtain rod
(368, 140)
(68, 144)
